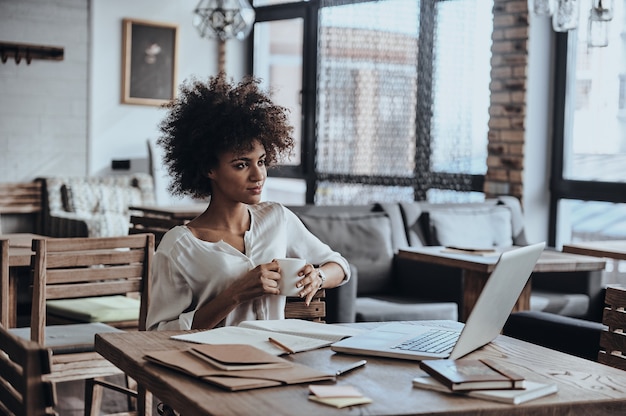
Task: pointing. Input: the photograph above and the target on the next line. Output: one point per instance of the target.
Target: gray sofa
(386, 287)
(369, 238)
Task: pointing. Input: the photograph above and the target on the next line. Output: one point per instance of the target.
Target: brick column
(507, 110)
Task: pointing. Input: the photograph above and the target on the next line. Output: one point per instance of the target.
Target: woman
(220, 269)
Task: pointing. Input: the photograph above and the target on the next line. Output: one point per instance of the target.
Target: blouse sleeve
(306, 245)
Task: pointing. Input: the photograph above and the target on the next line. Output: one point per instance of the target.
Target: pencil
(281, 346)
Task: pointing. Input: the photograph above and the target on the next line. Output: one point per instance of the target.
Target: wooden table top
(614, 249)
(585, 387)
(550, 260)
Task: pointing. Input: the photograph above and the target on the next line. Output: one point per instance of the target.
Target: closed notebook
(533, 390)
(238, 357)
(195, 365)
(468, 374)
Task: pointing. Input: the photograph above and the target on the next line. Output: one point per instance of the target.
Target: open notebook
(297, 334)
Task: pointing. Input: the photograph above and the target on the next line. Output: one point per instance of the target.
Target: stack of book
(483, 379)
(236, 367)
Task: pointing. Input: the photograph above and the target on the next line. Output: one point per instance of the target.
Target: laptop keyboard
(433, 341)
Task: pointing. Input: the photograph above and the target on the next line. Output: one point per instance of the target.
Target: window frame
(423, 177)
(560, 187)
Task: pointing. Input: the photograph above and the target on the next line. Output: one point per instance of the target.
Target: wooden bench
(22, 198)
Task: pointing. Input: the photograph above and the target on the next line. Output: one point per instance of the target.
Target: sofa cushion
(566, 304)
(388, 308)
(97, 197)
(79, 197)
(485, 227)
(113, 308)
(71, 338)
(110, 224)
(412, 213)
(364, 240)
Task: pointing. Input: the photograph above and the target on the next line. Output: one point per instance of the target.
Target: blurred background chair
(295, 308)
(21, 199)
(23, 390)
(152, 224)
(613, 338)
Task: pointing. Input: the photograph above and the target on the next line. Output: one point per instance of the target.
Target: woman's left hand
(310, 283)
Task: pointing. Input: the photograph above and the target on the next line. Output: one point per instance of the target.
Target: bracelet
(322, 276)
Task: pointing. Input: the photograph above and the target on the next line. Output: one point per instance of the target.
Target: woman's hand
(310, 283)
(262, 280)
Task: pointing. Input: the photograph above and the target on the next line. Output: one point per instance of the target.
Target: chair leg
(94, 390)
(138, 397)
(93, 397)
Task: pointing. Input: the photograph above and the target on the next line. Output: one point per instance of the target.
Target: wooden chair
(316, 311)
(23, 389)
(613, 340)
(22, 198)
(72, 268)
(153, 224)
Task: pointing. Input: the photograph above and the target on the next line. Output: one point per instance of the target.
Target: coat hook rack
(28, 52)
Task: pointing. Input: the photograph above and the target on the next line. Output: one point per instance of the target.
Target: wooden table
(613, 249)
(20, 253)
(585, 387)
(477, 269)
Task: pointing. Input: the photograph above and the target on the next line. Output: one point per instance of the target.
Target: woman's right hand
(262, 280)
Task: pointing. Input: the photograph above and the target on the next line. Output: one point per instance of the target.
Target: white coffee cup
(289, 269)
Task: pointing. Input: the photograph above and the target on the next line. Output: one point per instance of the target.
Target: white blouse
(188, 272)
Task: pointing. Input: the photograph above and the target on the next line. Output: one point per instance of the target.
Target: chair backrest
(4, 283)
(22, 198)
(295, 308)
(67, 268)
(613, 341)
(155, 225)
(23, 391)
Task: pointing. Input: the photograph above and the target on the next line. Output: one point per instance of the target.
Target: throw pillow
(79, 197)
(472, 228)
(364, 240)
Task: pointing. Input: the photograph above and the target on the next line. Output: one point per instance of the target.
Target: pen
(351, 367)
(281, 346)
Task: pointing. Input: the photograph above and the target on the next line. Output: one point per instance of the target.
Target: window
(588, 189)
(393, 94)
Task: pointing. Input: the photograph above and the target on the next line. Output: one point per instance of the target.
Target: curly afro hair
(209, 119)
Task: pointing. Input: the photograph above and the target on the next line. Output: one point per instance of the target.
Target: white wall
(43, 106)
(538, 143)
(121, 131)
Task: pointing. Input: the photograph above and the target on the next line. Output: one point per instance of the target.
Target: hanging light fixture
(541, 7)
(565, 15)
(224, 19)
(600, 15)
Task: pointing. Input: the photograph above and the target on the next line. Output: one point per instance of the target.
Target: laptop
(492, 309)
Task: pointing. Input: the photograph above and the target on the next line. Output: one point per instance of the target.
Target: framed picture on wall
(149, 53)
